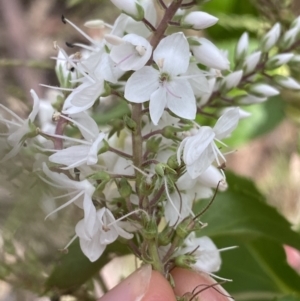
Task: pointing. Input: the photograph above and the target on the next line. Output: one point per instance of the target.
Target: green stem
(153, 252)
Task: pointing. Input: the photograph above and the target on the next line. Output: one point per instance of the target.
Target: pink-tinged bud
(264, 90)
(130, 7)
(287, 82)
(209, 55)
(251, 62)
(199, 20)
(232, 80)
(271, 38)
(251, 99)
(242, 46)
(279, 60)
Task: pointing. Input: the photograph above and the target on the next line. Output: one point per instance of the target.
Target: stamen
(79, 30)
(78, 124)
(70, 45)
(66, 204)
(141, 50)
(169, 197)
(12, 113)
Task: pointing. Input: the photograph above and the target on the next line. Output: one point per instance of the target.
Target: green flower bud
(185, 227)
(185, 261)
(165, 236)
(124, 188)
(173, 163)
(152, 145)
(130, 123)
(170, 132)
(150, 229)
(104, 148)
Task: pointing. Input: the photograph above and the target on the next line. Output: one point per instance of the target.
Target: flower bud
(165, 236)
(271, 38)
(251, 99)
(199, 20)
(130, 7)
(232, 80)
(279, 60)
(185, 261)
(172, 162)
(263, 90)
(152, 145)
(251, 62)
(287, 82)
(124, 188)
(185, 228)
(290, 37)
(209, 55)
(170, 132)
(149, 230)
(242, 46)
(130, 123)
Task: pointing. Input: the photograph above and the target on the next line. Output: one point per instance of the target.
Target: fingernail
(133, 288)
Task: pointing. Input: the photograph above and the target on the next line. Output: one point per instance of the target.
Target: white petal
(86, 122)
(158, 102)
(242, 45)
(92, 157)
(196, 145)
(181, 101)
(202, 163)
(36, 105)
(72, 156)
(211, 177)
(141, 85)
(227, 123)
(89, 215)
(174, 60)
(127, 55)
(83, 97)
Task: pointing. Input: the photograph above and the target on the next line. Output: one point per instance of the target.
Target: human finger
(190, 283)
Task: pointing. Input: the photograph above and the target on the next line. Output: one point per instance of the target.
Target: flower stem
(153, 252)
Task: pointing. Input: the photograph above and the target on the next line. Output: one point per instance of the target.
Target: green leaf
(242, 212)
(259, 271)
(74, 269)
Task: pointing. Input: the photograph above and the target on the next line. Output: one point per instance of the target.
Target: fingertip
(159, 289)
(189, 283)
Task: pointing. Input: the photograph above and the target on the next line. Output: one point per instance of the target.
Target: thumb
(142, 285)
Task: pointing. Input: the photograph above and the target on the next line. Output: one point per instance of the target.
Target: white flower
(199, 20)
(242, 46)
(271, 37)
(105, 231)
(81, 193)
(206, 96)
(205, 252)
(18, 128)
(164, 87)
(200, 150)
(132, 54)
(87, 153)
(209, 55)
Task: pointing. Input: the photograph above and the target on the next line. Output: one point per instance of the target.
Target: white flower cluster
(148, 167)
